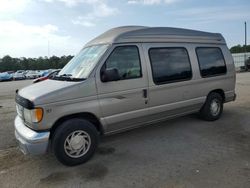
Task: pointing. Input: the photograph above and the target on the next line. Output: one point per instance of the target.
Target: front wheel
(75, 141)
(213, 107)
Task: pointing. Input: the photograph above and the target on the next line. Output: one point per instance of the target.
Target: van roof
(129, 34)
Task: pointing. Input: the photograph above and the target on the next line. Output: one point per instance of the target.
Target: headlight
(34, 115)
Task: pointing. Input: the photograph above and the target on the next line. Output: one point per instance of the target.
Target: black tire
(206, 111)
(64, 131)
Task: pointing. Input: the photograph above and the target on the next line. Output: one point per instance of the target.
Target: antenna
(245, 47)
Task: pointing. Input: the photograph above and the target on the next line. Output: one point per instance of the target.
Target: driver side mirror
(109, 75)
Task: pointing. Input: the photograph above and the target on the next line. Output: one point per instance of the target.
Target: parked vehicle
(11, 74)
(125, 78)
(47, 76)
(247, 64)
(32, 74)
(19, 75)
(46, 72)
(20, 71)
(43, 73)
(5, 76)
(25, 72)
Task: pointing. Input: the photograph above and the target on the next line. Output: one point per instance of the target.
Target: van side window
(170, 65)
(126, 60)
(211, 61)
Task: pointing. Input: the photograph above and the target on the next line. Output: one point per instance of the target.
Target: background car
(19, 75)
(32, 74)
(43, 73)
(47, 76)
(46, 72)
(10, 73)
(248, 63)
(5, 76)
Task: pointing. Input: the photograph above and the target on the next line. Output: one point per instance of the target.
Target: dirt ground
(180, 153)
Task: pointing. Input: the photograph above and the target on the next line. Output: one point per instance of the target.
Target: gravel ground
(179, 153)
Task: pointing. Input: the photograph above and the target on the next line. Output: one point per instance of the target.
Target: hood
(50, 91)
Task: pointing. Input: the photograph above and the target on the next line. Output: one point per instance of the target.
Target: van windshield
(83, 63)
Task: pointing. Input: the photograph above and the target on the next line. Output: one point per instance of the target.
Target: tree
(7, 63)
(239, 49)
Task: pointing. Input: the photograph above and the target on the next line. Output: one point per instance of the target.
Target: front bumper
(30, 141)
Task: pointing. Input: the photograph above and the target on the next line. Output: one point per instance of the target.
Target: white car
(32, 74)
(19, 75)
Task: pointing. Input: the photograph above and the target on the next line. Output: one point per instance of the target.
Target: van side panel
(166, 100)
(187, 96)
(201, 87)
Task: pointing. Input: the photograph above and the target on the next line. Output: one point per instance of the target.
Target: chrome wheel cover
(77, 144)
(215, 107)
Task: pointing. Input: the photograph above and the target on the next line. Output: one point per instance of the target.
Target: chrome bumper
(30, 142)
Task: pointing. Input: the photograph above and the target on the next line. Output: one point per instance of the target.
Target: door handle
(145, 93)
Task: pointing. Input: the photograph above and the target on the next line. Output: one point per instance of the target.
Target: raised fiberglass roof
(129, 34)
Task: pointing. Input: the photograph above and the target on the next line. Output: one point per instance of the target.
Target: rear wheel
(213, 107)
(75, 141)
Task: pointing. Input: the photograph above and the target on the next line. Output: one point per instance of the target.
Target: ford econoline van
(125, 78)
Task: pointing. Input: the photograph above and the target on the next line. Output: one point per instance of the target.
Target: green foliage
(8, 63)
(239, 49)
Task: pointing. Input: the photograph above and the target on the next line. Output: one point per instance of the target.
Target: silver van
(127, 77)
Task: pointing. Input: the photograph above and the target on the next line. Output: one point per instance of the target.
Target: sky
(28, 28)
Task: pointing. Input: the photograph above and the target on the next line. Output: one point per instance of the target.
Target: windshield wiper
(66, 77)
(76, 79)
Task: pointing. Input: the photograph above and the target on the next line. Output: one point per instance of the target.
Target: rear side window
(211, 61)
(170, 65)
(126, 60)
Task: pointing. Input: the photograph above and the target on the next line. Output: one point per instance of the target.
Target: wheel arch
(83, 115)
(220, 92)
